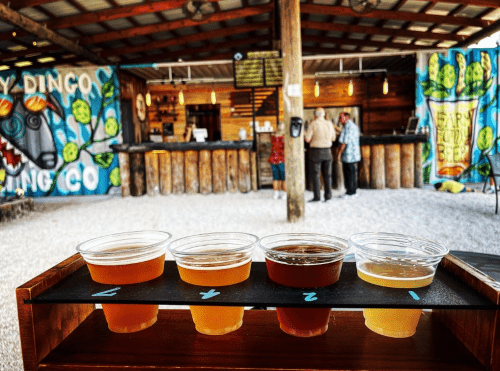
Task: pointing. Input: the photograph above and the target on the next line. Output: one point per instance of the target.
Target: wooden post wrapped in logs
(392, 165)
(364, 167)
(419, 177)
(191, 171)
(232, 170)
(177, 172)
(219, 170)
(123, 159)
(407, 165)
(244, 182)
(253, 165)
(377, 173)
(165, 170)
(138, 184)
(337, 173)
(205, 171)
(152, 176)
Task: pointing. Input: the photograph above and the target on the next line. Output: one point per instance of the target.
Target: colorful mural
(457, 103)
(56, 126)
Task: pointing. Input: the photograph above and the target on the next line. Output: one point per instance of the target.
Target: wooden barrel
(244, 181)
(137, 174)
(191, 172)
(123, 160)
(219, 170)
(419, 177)
(392, 165)
(152, 176)
(377, 171)
(253, 166)
(177, 172)
(407, 165)
(364, 167)
(205, 171)
(165, 170)
(232, 170)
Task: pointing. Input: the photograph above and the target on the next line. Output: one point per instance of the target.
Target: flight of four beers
(301, 260)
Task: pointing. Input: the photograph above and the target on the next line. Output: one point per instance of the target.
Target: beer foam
(213, 260)
(304, 255)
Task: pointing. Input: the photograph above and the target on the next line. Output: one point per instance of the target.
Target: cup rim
(342, 251)
(359, 243)
(135, 250)
(201, 236)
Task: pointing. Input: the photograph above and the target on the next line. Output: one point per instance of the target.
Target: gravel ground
(33, 244)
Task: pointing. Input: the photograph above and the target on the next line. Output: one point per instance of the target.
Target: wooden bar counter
(165, 168)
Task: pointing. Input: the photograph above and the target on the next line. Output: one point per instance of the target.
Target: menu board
(257, 69)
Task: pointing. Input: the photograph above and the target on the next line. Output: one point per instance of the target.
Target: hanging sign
(257, 69)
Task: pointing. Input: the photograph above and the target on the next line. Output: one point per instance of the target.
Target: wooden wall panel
(178, 186)
(165, 170)
(407, 165)
(377, 174)
(205, 171)
(392, 166)
(137, 174)
(244, 178)
(419, 176)
(364, 167)
(123, 160)
(191, 171)
(232, 170)
(219, 171)
(152, 173)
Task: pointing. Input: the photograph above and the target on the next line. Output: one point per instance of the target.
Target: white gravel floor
(33, 244)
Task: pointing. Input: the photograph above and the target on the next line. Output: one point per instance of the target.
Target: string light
(350, 88)
(212, 97)
(148, 99)
(385, 87)
(181, 98)
(316, 89)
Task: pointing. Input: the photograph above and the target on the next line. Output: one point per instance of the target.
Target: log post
(232, 170)
(123, 160)
(364, 168)
(419, 177)
(165, 164)
(244, 183)
(177, 172)
(392, 165)
(137, 174)
(377, 171)
(337, 173)
(407, 165)
(219, 170)
(191, 172)
(152, 176)
(253, 165)
(205, 171)
(293, 107)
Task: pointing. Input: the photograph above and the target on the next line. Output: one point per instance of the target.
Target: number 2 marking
(310, 296)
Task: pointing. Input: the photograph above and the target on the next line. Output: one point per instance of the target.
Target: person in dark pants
(349, 153)
(320, 134)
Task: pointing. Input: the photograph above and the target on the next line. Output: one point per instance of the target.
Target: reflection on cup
(122, 259)
(303, 260)
(397, 261)
(214, 260)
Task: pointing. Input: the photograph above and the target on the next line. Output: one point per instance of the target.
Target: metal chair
(494, 161)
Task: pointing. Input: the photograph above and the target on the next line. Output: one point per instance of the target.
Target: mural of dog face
(25, 133)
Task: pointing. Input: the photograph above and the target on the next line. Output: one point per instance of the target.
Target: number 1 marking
(310, 296)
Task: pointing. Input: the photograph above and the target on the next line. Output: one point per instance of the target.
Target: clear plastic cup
(397, 261)
(214, 260)
(122, 259)
(304, 260)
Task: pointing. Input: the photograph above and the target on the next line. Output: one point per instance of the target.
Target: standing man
(320, 134)
(349, 153)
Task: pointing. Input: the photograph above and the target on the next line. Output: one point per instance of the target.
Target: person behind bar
(452, 186)
(349, 153)
(277, 161)
(188, 132)
(320, 134)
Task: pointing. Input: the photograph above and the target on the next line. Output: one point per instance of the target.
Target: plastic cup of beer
(400, 262)
(122, 259)
(214, 260)
(303, 260)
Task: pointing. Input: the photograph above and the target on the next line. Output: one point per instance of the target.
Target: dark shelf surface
(173, 343)
(445, 292)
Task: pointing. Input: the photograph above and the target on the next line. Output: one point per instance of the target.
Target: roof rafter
(377, 44)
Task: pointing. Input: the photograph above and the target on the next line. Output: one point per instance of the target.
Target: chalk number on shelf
(310, 296)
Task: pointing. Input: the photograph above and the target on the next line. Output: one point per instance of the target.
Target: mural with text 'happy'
(56, 128)
(457, 103)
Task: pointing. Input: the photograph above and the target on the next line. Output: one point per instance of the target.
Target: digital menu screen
(257, 69)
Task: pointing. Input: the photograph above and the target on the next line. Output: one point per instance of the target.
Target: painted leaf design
(484, 169)
(81, 111)
(485, 138)
(426, 151)
(104, 159)
(114, 177)
(426, 173)
(108, 89)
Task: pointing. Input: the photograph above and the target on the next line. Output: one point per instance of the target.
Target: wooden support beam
(10, 16)
(377, 44)
(293, 107)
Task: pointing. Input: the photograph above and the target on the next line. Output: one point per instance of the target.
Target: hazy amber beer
(122, 259)
(396, 261)
(215, 260)
(303, 260)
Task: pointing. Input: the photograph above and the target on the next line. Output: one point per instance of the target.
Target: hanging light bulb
(385, 87)
(34, 42)
(316, 89)
(14, 33)
(148, 98)
(350, 88)
(212, 97)
(181, 98)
